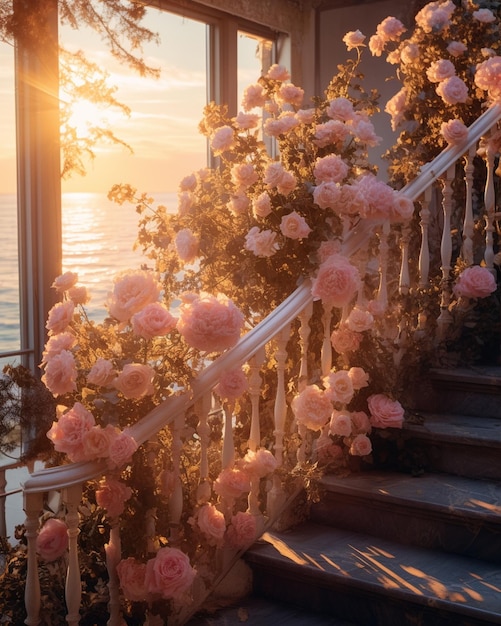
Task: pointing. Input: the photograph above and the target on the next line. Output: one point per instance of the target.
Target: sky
(162, 127)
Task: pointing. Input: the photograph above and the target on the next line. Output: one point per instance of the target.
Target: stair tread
(489, 375)
(331, 557)
(463, 429)
(439, 492)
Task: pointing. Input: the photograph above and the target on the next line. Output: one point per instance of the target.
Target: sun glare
(84, 115)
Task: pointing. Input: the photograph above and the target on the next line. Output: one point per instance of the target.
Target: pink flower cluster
(112, 495)
(488, 77)
(475, 282)
(336, 282)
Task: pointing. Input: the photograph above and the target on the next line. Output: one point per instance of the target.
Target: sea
(98, 240)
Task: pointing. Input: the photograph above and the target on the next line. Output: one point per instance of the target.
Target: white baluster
(32, 508)
(382, 294)
(405, 281)
(150, 516)
(468, 224)
(176, 499)
(73, 591)
(489, 200)
(304, 335)
(255, 381)
(424, 253)
(204, 488)
(113, 551)
(444, 319)
(326, 355)
(228, 453)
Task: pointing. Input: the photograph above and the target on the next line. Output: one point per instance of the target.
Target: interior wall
(333, 24)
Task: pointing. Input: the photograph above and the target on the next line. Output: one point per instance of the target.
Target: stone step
(474, 391)
(443, 512)
(455, 444)
(373, 581)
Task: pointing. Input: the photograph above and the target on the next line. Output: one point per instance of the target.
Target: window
(221, 54)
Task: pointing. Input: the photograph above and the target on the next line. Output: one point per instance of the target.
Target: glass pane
(163, 132)
(254, 59)
(9, 266)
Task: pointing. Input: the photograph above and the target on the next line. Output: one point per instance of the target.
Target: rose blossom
(385, 412)
(336, 282)
(254, 96)
(122, 447)
(333, 132)
(326, 450)
(291, 94)
(169, 574)
(246, 121)
(287, 183)
(379, 197)
(354, 39)
(360, 423)
(102, 373)
(376, 45)
(261, 243)
(60, 317)
(184, 202)
(475, 282)
(112, 495)
(243, 175)
(56, 344)
(65, 281)
(294, 226)
(435, 16)
(135, 380)
(402, 208)
(232, 482)
(60, 373)
(339, 386)
(365, 132)
(390, 29)
(243, 530)
(488, 77)
(456, 48)
(153, 321)
(186, 245)
(454, 131)
(223, 139)
(52, 540)
(486, 16)
(210, 323)
(239, 204)
(345, 340)
(78, 294)
(132, 291)
(131, 574)
(261, 206)
(188, 183)
(312, 408)
(232, 384)
(359, 377)
(273, 174)
(68, 432)
(259, 463)
(395, 107)
(340, 109)
(340, 424)
(409, 53)
(330, 168)
(360, 320)
(351, 201)
(453, 90)
(361, 446)
(211, 523)
(440, 70)
(305, 116)
(281, 125)
(278, 72)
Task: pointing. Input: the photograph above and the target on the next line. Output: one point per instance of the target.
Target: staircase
(384, 547)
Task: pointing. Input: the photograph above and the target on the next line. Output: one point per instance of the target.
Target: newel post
(73, 591)
(32, 507)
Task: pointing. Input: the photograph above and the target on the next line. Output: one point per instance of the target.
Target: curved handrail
(75, 473)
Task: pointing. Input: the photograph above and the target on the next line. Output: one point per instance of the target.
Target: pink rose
(101, 373)
(169, 574)
(340, 424)
(359, 377)
(132, 291)
(242, 531)
(330, 168)
(340, 108)
(305, 116)
(239, 204)
(232, 384)
(327, 451)
(454, 131)
(188, 183)
(396, 107)
(60, 317)
(52, 540)
(354, 39)
(377, 45)
(360, 320)
(351, 201)
(312, 407)
(385, 412)
(246, 121)
(294, 226)
(365, 132)
(287, 184)
(122, 447)
(475, 282)
(390, 29)
(456, 48)
(488, 77)
(260, 463)
(333, 132)
(262, 205)
(132, 574)
(135, 381)
(68, 432)
(278, 72)
(243, 175)
(262, 243)
(379, 198)
(361, 446)
(223, 139)
(360, 423)
(453, 90)
(291, 94)
(60, 374)
(254, 96)
(486, 16)
(79, 294)
(276, 126)
(112, 496)
(210, 324)
(402, 208)
(435, 16)
(336, 282)
(273, 174)
(211, 523)
(232, 482)
(153, 321)
(339, 386)
(186, 245)
(440, 70)
(327, 195)
(56, 344)
(65, 281)
(184, 202)
(96, 442)
(409, 53)
(345, 340)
